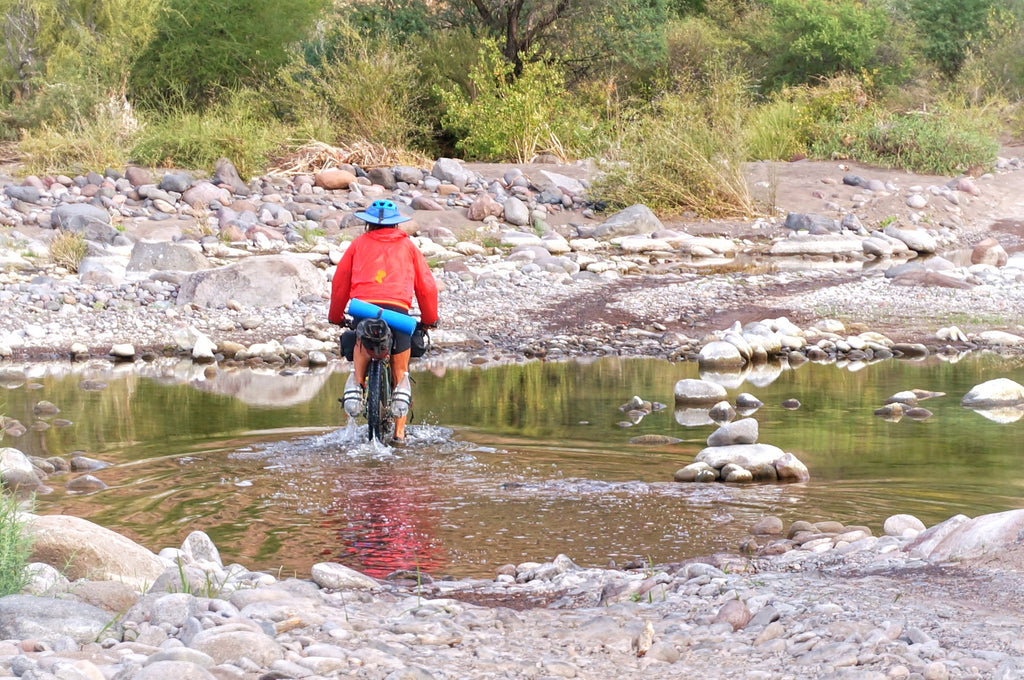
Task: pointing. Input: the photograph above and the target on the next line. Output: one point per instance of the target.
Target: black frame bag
(420, 341)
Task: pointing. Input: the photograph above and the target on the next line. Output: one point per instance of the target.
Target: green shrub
(15, 547)
(201, 50)
(839, 120)
(936, 143)
(684, 154)
(950, 29)
(237, 129)
(346, 88)
(802, 40)
(514, 118)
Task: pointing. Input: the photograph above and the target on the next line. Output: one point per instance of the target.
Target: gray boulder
(994, 393)
(86, 219)
(720, 354)
(961, 538)
(27, 617)
(176, 181)
(29, 194)
(451, 171)
(264, 281)
(516, 212)
(743, 431)
(636, 219)
(917, 239)
(165, 256)
(692, 391)
(815, 224)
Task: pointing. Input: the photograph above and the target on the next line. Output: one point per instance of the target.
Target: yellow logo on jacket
(381, 275)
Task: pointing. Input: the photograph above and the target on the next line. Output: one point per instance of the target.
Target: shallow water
(509, 464)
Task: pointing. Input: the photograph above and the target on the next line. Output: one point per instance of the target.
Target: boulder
(203, 193)
(516, 212)
(917, 239)
(743, 431)
(339, 577)
(636, 219)
(961, 538)
(334, 178)
(81, 549)
(692, 391)
(483, 206)
(165, 256)
(720, 354)
(994, 393)
(48, 620)
(989, 251)
(263, 281)
(86, 219)
(450, 171)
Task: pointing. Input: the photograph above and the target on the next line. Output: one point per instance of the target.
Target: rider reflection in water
(384, 267)
(386, 525)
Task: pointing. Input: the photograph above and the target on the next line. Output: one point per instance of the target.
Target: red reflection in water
(386, 522)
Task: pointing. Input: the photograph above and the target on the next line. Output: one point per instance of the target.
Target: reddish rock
(334, 178)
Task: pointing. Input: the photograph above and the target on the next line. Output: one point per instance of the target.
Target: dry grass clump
(68, 249)
(316, 156)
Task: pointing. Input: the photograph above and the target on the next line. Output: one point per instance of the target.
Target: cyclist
(384, 267)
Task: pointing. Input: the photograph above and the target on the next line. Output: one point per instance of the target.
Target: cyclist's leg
(360, 360)
(399, 367)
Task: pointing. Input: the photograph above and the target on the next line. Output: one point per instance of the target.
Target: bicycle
(380, 402)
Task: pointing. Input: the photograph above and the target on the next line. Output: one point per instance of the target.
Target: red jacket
(384, 266)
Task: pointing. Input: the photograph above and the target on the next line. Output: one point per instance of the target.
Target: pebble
(803, 614)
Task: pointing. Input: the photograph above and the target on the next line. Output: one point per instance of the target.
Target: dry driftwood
(314, 157)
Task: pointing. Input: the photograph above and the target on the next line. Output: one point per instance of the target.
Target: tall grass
(15, 547)
(91, 140)
(684, 154)
(238, 129)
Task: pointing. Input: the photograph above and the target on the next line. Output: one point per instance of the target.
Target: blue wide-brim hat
(382, 213)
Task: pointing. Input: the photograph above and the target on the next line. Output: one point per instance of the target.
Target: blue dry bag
(398, 321)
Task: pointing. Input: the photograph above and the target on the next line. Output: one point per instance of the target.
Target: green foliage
(237, 129)
(506, 117)
(15, 547)
(684, 154)
(202, 48)
(398, 18)
(949, 29)
(587, 35)
(801, 40)
(65, 58)
(839, 120)
(995, 68)
(773, 131)
(80, 144)
(346, 87)
(936, 143)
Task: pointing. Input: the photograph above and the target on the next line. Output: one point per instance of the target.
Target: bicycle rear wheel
(378, 394)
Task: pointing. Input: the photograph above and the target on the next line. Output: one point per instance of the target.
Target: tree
(583, 32)
(202, 47)
(948, 29)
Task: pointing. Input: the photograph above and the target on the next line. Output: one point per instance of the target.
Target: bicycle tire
(378, 393)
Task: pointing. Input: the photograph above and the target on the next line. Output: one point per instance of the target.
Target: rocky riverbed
(850, 263)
